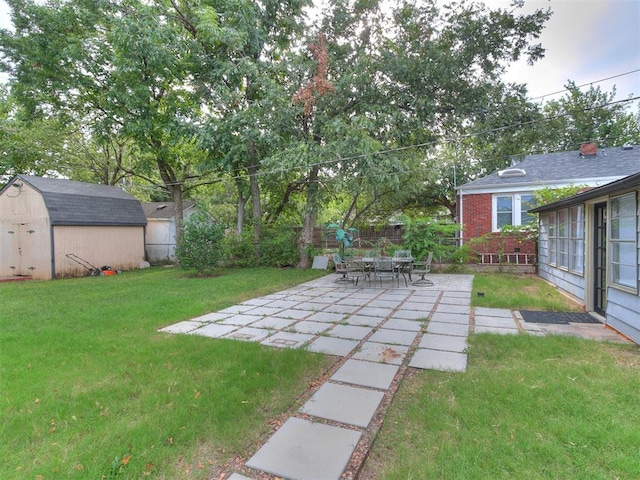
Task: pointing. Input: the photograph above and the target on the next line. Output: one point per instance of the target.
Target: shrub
(278, 246)
(237, 250)
(199, 246)
(425, 235)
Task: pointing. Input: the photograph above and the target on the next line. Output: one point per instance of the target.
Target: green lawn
(519, 292)
(90, 389)
(526, 408)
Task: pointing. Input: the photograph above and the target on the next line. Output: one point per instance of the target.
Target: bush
(278, 247)
(237, 250)
(199, 246)
(425, 235)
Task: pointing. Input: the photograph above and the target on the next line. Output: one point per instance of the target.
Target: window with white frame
(512, 210)
(553, 247)
(566, 238)
(563, 238)
(576, 238)
(622, 241)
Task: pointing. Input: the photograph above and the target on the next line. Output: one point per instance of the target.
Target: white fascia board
(530, 186)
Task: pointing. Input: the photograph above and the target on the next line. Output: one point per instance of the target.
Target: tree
(131, 71)
(34, 147)
(589, 116)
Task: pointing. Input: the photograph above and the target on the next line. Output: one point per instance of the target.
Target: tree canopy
(367, 111)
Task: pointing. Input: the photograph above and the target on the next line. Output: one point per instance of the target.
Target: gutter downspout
(53, 252)
(461, 219)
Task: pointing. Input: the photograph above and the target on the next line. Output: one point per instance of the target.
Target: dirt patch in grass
(628, 357)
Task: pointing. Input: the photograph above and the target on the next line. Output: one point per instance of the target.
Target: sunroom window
(622, 240)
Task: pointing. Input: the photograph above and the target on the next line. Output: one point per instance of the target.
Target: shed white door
(20, 262)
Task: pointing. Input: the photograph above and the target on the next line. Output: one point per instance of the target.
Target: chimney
(589, 149)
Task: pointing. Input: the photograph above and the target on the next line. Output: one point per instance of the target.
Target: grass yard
(519, 292)
(91, 390)
(527, 407)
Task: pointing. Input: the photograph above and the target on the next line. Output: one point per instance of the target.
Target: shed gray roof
(79, 203)
(163, 209)
(566, 168)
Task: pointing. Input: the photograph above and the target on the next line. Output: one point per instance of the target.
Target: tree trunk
(174, 187)
(255, 199)
(242, 201)
(305, 239)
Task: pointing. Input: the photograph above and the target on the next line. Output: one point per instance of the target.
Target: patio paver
(460, 330)
(353, 332)
(443, 342)
(382, 353)
(343, 403)
(439, 360)
(333, 346)
(249, 334)
(214, 330)
(367, 374)
(393, 337)
(287, 340)
(304, 450)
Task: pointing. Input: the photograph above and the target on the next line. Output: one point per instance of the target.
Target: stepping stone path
(378, 332)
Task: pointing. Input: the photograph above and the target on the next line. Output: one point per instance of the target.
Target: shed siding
(623, 313)
(118, 247)
(27, 250)
(160, 240)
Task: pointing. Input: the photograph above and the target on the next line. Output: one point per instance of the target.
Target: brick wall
(476, 211)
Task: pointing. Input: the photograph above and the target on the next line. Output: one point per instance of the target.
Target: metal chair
(341, 267)
(405, 267)
(386, 268)
(356, 270)
(421, 269)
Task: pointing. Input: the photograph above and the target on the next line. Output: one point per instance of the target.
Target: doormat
(560, 318)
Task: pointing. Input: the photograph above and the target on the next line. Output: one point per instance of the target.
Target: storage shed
(160, 241)
(45, 221)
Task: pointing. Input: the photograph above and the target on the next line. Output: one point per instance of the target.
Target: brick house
(505, 197)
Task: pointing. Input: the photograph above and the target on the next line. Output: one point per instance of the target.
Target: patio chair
(341, 267)
(356, 270)
(405, 267)
(421, 269)
(386, 268)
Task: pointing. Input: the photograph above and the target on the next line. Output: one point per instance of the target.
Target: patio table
(399, 266)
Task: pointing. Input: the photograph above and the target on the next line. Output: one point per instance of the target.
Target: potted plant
(383, 244)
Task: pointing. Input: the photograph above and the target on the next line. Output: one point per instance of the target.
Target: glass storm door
(600, 258)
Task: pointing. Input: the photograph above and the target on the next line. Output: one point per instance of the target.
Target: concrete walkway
(378, 333)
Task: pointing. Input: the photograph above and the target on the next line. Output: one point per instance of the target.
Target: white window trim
(610, 241)
(516, 205)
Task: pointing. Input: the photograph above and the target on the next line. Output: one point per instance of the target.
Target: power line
(587, 84)
(431, 143)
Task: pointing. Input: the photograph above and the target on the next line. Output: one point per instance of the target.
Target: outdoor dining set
(401, 264)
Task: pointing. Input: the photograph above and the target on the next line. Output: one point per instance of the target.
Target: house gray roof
(163, 210)
(79, 203)
(564, 168)
(631, 181)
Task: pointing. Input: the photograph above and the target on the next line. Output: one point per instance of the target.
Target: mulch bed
(558, 318)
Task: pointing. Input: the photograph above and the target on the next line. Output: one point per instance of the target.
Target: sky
(587, 41)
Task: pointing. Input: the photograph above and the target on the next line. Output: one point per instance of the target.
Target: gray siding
(623, 313)
(569, 282)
